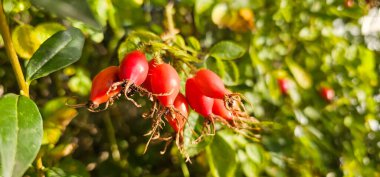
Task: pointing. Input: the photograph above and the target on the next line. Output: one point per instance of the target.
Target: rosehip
(147, 83)
(220, 110)
(199, 102)
(284, 85)
(210, 84)
(327, 93)
(134, 68)
(349, 3)
(102, 83)
(165, 84)
(180, 104)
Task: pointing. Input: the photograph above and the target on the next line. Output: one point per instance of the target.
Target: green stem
(184, 168)
(111, 137)
(4, 30)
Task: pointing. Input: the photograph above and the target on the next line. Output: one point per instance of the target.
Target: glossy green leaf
(227, 50)
(221, 157)
(76, 9)
(20, 134)
(57, 52)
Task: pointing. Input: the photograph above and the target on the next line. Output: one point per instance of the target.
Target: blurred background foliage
(313, 44)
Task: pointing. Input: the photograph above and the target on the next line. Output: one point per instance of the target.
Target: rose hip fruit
(327, 93)
(210, 84)
(165, 84)
(178, 122)
(284, 85)
(134, 68)
(101, 84)
(197, 100)
(220, 110)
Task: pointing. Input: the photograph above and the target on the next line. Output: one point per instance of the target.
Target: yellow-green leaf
(46, 30)
(25, 41)
(302, 77)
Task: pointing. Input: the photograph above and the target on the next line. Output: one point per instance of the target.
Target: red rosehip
(284, 85)
(327, 93)
(102, 83)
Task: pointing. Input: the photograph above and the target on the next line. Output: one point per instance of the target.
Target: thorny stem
(5, 32)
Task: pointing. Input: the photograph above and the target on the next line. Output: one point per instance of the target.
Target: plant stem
(111, 137)
(184, 168)
(169, 17)
(4, 30)
(171, 31)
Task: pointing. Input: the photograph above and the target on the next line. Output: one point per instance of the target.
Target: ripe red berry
(210, 84)
(220, 110)
(327, 93)
(101, 85)
(349, 3)
(147, 83)
(197, 100)
(165, 84)
(284, 85)
(180, 104)
(134, 68)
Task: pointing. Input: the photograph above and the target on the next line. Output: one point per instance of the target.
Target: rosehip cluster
(205, 93)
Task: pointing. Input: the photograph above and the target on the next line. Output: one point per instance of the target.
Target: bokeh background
(312, 44)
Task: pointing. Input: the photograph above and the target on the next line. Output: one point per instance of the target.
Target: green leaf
(302, 77)
(25, 41)
(57, 52)
(221, 157)
(56, 118)
(227, 70)
(202, 5)
(255, 153)
(133, 41)
(194, 43)
(20, 134)
(68, 167)
(80, 83)
(227, 50)
(15, 6)
(190, 147)
(76, 9)
(46, 30)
